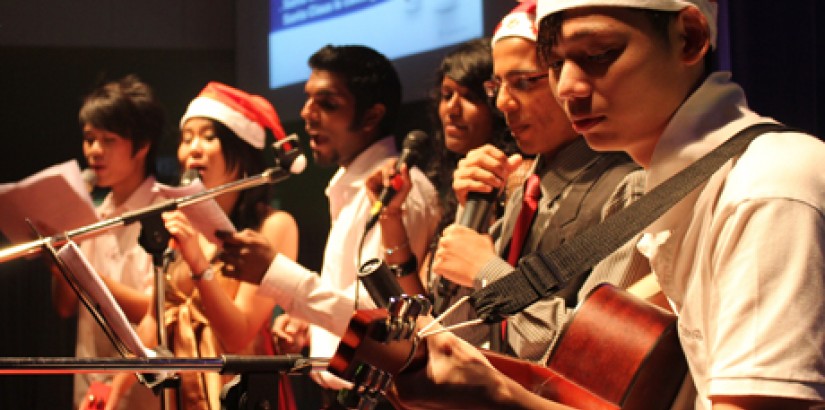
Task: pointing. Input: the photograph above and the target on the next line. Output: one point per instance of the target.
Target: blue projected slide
(396, 28)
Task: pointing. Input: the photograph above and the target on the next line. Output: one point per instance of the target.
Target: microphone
(411, 148)
(154, 238)
(476, 216)
(288, 155)
(189, 176)
(89, 178)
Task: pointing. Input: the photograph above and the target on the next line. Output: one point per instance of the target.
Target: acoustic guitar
(616, 352)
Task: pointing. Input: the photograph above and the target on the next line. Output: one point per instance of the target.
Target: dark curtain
(774, 54)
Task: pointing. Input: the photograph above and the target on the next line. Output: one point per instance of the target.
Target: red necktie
(529, 204)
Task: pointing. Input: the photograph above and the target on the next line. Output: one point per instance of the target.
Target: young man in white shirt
(122, 124)
(353, 98)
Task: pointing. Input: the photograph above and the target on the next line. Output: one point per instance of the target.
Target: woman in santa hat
(206, 314)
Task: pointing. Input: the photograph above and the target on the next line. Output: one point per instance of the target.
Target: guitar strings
(443, 314)
(450, 328)
(426, 332)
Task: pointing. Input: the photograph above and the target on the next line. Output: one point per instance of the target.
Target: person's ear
(372, 117)
(694, 33)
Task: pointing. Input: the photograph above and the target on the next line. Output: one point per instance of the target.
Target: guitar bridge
(404, 311)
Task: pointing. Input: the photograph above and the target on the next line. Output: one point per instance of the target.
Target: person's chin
(457, 145)
(599, 141)
(526, 142)
(322, 160)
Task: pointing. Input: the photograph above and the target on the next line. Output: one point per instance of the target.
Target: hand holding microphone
(477, 182)
(412, 147)
(154, 237)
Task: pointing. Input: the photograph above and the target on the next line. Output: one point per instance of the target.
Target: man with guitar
(577, 186)
(740, 259)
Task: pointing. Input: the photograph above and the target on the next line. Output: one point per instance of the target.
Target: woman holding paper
(206, 314)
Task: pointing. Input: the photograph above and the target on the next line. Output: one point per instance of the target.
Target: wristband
(406, 268)
(207, 274)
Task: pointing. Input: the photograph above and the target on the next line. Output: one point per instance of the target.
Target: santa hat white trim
(246, 129)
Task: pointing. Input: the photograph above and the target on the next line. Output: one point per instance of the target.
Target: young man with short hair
(353, 98)
(122, 122)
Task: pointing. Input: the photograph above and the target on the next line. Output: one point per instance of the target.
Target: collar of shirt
(348, 180)
(712, 114)
(142, 196)
(561, 170)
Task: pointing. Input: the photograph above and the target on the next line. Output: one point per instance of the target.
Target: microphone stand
(154, 238)
(224, 364)
(270, 176)
(231, 398)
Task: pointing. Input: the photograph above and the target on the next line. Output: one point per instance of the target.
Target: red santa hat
(708, 8)
(520, 22)
(245, 114)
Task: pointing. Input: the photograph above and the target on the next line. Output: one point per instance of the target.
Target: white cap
(707, 7)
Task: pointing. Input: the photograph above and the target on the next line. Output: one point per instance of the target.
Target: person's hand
(186, 239)
(461, 254)
(456, 376)
(291, 334)
(483, 169)
(385, 176)
(247, 255)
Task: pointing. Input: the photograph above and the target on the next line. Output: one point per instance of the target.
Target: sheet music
(206, 216)
(55, 199)
(102, 298)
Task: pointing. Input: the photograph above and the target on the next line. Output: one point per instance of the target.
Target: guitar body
(616, 352)
(622, 349)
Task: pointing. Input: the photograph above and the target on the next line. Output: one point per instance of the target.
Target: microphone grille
(89, 178)
(189, 176)
(415, 139)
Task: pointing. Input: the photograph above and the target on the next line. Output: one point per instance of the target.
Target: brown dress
(190, 335)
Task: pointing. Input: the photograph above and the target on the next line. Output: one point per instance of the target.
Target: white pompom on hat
(709, 8)
(243, 113)
(519, 22)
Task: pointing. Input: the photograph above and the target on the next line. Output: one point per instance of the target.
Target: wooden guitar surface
(616, 352)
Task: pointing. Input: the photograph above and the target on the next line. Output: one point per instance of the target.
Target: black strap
(542, 274)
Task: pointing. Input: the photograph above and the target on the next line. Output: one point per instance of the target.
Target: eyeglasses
(518, 82)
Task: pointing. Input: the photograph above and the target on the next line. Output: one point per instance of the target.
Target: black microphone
(154, 238)
(411, 149)
(476, 216)
(288, 154)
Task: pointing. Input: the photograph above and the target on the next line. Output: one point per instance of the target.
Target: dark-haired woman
(207, 314)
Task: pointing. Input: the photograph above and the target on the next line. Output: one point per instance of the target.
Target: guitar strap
(542, 274)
